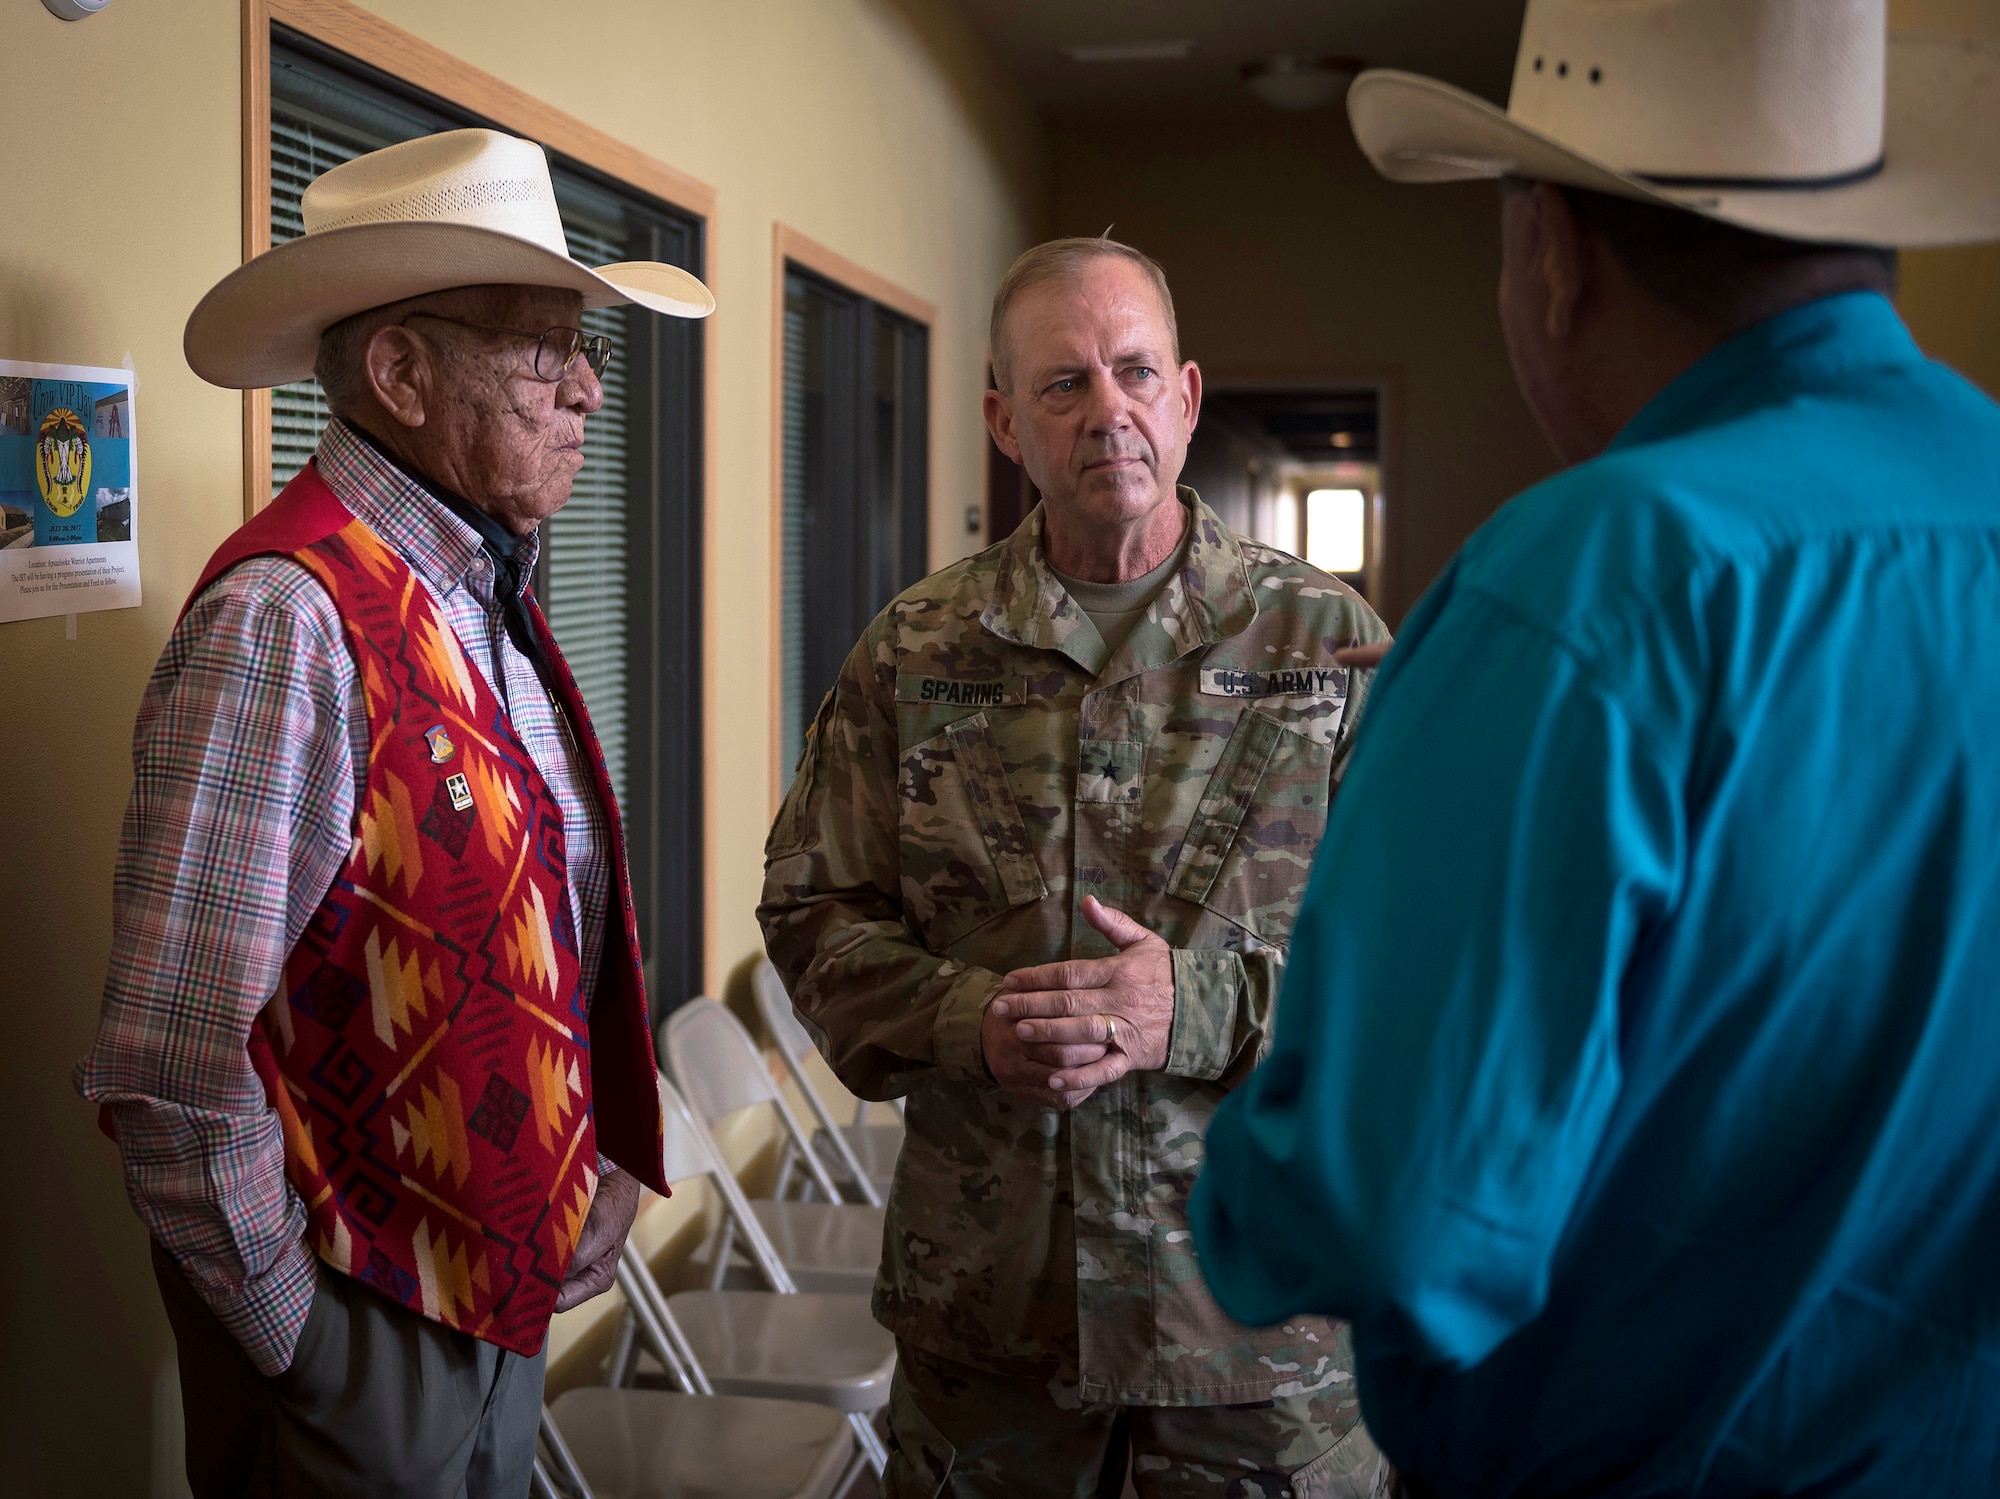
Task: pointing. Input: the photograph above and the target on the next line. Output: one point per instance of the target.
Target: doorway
(1300, 469)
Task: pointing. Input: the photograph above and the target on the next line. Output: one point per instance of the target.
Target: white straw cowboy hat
(1797, 118)
(462, 208)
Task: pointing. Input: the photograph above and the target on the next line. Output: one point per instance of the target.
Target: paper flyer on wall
(69, 495)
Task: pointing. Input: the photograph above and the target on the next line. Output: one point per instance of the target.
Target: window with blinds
(619, 576)
(584, 576)
(304, 143)
(855, 488)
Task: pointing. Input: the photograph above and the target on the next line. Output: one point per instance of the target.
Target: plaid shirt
(250, 756)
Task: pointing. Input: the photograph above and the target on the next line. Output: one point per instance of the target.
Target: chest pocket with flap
(966, 855)
(1262, 814)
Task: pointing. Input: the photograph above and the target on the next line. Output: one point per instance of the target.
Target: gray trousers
(378, 1402)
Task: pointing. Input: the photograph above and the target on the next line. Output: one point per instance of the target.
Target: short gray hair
(1064, 260)
(337, 366)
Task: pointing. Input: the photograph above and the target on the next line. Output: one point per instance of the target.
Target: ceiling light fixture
(1130, 52)
(1288, 82)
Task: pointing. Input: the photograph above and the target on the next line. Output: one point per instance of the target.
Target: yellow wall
(92, 277)
(870, 125)
(1951, 298)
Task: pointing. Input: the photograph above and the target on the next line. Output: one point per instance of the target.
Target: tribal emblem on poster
(62, 461)
(67, 490)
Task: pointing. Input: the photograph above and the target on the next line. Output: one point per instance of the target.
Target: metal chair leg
(869, 1440)
(725, 1245)
(574, 1483)
(856, 1466)
(625, 1356)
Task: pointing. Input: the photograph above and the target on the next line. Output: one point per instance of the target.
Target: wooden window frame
(789, 246)
(347, 28)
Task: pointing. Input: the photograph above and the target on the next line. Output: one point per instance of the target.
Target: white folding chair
(691, 1443)
(659, 1444)
(867, 1152)
(720, 1070)
(821, 1347)
(821, 1245)
(827, 1246)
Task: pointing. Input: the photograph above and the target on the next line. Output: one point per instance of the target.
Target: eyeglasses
(555, 350)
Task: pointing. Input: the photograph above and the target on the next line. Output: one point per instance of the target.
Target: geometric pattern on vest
(442, 1092)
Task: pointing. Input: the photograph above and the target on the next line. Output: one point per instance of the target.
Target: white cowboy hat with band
(1797, 118)
(461, 208)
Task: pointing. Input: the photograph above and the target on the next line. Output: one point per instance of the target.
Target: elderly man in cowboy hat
(374, 1040)
(1640, 1105)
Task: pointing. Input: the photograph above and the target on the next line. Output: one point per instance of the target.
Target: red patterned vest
(442, 1091)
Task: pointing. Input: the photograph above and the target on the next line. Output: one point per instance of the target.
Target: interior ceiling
(1307, 427)
(1466, 42)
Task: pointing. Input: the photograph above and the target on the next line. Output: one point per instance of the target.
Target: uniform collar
(1208, 600)
(440, 547)
(1790, 351)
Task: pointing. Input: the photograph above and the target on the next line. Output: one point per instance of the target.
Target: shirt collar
(1209, 599)
(441, 547)
(1790, 351)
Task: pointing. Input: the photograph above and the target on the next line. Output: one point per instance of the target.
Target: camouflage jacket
(982, 764)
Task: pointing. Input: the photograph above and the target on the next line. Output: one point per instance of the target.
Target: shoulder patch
(1302, 681)
(969, 692)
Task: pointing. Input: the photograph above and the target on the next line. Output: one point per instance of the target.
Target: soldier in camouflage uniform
(1040, 885)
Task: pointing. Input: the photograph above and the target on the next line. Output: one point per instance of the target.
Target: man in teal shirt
(1641, 1105)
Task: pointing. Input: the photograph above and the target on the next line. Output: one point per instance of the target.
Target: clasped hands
(1058, 1032)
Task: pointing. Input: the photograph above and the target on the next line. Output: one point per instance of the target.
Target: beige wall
(95, 277)
(1951, 298)
(870, 125)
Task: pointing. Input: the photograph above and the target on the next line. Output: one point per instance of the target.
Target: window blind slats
(587, 541)
(301, 148)
(792, 667)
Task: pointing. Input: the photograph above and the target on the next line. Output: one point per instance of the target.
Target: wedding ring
(1110, 1031)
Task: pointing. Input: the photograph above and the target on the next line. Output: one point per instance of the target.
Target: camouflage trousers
(961, 1433)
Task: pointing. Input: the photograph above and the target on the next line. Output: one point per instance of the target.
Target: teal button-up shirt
(1636, 1080)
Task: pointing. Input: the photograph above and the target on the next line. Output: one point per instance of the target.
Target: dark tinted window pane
(855, 481)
